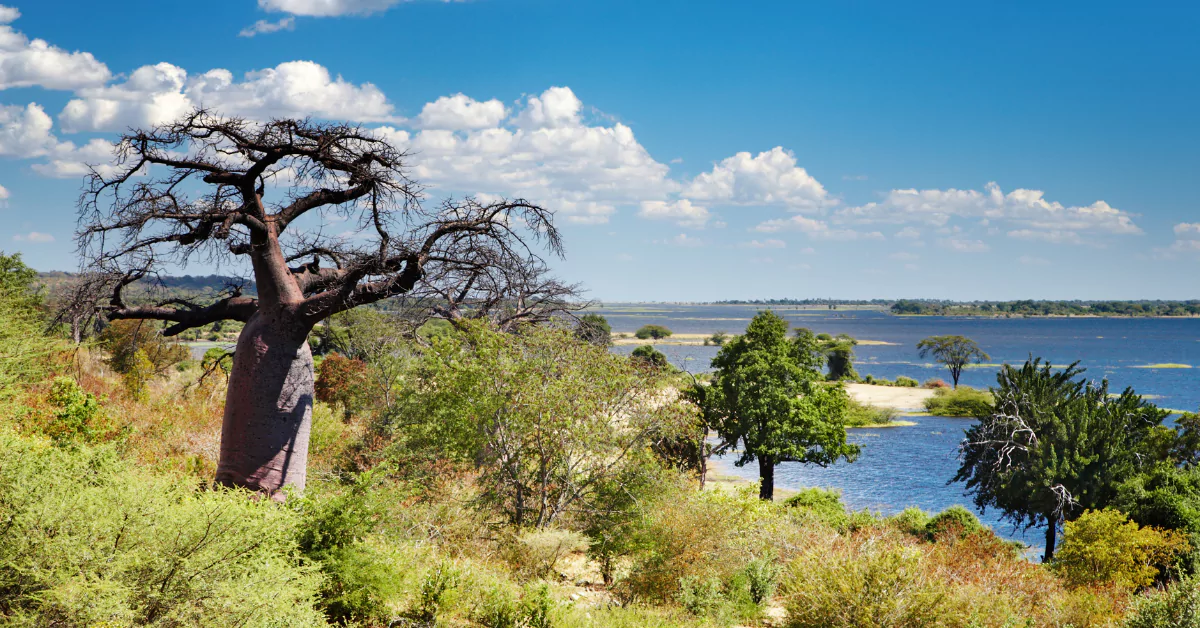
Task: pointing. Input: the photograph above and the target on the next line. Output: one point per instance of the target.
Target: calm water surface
(910, 466)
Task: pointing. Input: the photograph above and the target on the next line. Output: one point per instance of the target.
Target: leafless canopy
(324, 214)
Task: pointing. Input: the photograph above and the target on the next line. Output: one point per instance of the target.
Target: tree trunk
(766, 477)
(268, 407)
(1051, 536)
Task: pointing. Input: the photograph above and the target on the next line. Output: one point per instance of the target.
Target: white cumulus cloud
(28, 62)
(816, 229)
(1026, 209)
(460, 113)
(769, 178)
(154, 94)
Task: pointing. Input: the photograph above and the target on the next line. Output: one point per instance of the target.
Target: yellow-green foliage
(89, 540)
(1105, 547)
(959, 402)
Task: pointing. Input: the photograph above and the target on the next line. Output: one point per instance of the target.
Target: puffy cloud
(460, 113)
(327, 8)
(27, 63)
(33, 236)
(26, 131)
(682, 211)
(154, 94)
(815, 229)
(68, 161)
(1187, 241)
(964, 246)
(769, 178)
(550, 155)
(1025, 208)
(264, 27)
(554, 108)
(1188, 230)
(908, 233)
(904, 256)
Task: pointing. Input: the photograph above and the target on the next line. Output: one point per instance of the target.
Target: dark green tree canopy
(594, 328)
(956, 352)
(652, 331)
(768, 394)
(1054, 445)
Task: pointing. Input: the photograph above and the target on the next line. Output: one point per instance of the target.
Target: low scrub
(959, 402)
(862, 415)
(91, 541)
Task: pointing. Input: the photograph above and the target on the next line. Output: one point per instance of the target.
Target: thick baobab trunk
(766, 476)
(268, 408)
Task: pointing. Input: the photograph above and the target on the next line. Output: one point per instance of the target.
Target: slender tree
(227, 190)
(768, 395)
(956, 352)
(1054, 446)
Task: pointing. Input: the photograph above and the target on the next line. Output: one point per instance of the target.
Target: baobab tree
(265, 195)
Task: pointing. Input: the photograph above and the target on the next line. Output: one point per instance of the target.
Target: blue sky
(693, 150)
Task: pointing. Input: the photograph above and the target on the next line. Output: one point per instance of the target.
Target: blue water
(910, 466)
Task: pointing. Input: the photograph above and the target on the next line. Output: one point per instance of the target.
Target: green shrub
(438, 590)
(650, 356)
(825, 505)
(906, 382)
(878, 586)
(538, 607)
(78, 417)
(862, 415)
(701, 596)
(762, 576)
(954, 521)
(499, 608)
(90, 541)
(1104, 547)
(959, 402)
(656, 332)
(1176, 606)
(912, 521)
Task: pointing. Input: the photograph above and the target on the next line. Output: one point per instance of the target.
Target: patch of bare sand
(897, 397)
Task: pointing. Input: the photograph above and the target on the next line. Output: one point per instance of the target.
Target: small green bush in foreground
(89, 541)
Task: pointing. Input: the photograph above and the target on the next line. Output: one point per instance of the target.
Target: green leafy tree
(767, 394)
(534, 412)
(646, 332)
(24, 347)
(956, 352)
(650, 356)
(594, 328)
(839, 354)
(1053, 446)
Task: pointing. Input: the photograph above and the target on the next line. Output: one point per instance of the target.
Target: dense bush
(1176, 606)
(651, 357)
(646, 332)
(1105, 547)
(906, 382)
(90, 541)
(125, 338)
(594, 328)
(862, 415)
(959, 402)
(342, 382)
(954, 521)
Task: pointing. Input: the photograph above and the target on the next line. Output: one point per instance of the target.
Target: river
(911, 466)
